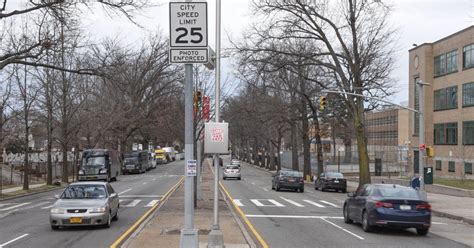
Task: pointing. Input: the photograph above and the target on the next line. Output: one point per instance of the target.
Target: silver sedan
(85, 203)
(231, 171)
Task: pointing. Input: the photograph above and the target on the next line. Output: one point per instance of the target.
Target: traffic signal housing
(430, 151)
(199, 97)
(322, 103)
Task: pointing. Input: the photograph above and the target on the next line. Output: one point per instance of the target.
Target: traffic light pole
(216, 238)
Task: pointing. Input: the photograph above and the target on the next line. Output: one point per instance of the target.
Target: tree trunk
(26, 167)
(306, 142)
(333, 137)
(279, 153)
(364, 172)
(348, 150)
(294, 147)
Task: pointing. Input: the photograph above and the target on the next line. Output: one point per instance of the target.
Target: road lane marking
(125, 191)
(37, 205)
(314, 203)
(258, 203)
(5, 204)
(292, 202)
(330, 204)
(13, 240)
(133, 203)
(15, 206)
(144, 183)
(50, 206)
(345, 230)
(238, 202)
(293, 216)
(141, 196)
(265, 189)
(276, 203)
(438, 223)
(253, 183)
(152, 203)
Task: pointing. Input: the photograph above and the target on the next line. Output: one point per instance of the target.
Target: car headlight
(98, 210)
(103, 171)
(80, 172)
(57, 211)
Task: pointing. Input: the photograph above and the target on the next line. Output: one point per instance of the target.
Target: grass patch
(22, 192)
(457, 183)
(8, 186)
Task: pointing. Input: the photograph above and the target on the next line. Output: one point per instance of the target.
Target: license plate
(291, 180)
(75, 220)
(405, 207)
(337, 181)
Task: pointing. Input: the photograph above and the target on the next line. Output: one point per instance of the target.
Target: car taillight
(423, 206)
(380, 204)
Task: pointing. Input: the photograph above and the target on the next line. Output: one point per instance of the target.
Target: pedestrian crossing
(124, 203)
(284, 202)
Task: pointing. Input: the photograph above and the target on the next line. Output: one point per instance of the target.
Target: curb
(30, 194)
(451, 216)
(136, 227)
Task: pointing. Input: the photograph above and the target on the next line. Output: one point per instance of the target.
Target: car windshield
(292, 173)
(334, 175)
(94, 162)
(84, 192)
(397, 192)
(232, 167)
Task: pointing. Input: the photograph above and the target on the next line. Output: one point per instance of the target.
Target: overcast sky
(418, 21)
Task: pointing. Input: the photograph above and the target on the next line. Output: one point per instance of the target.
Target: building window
(468, 168)
(440, 65)
(451, 166)
(468, 56)
(439, 165)
(468, 133)
(451, 61)
(468, 94)
(417, 107)
(446, 133)
(446, 98)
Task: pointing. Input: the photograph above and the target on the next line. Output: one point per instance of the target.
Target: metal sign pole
(421, 134)
(216, 238)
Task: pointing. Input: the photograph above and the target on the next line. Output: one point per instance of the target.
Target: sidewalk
(163, 230)
(13, 189)
(454, 207)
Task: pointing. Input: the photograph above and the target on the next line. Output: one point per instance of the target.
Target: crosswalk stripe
(276, 203)
(292, 202)
(133, 203)
(15, 206)
(152, 203)
(257, 203)
(238, 202)
(331, 204)
(314, 203)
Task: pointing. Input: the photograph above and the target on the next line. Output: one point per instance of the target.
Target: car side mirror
(113, 195)
(56, 196)
(351, 194)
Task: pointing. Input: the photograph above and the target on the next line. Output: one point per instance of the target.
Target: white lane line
(15, 206)
(144, 183)
(276, 203)
(238, 202)
(330, 204)
(13, 240)
(125, 191)
(292, 202)
(133, 203)
(5, 204)
(293, 216)
(438, 223)
(253, 183)
(345, 230)
(152, 203)
(154, 179)
(37, 205)
(141, 196)
(50, 206)
(314, 203)
(265, 189)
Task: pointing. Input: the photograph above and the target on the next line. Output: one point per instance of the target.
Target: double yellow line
(148, 213)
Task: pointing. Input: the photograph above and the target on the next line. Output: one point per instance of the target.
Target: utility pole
(422, 152)
(216, 238)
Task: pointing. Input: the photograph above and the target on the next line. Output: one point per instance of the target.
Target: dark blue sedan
(388, 205)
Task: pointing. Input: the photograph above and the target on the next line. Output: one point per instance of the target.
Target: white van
(170, 152)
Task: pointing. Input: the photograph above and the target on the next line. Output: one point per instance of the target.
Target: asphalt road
(314, 218)
(24, 222)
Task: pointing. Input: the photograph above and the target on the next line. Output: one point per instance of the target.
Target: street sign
(191, 168)
(188, 24)
(188, 55)
(422, 147)
(216, 139)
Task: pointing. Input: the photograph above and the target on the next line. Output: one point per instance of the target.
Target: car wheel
(54, 227)
(240, 178)
(277, 187)
(273, 186)
(365, 222)
(422, 231)
(346, 215)
(301, 190)
(116, 217)
(109, 221)
(323, 188)
(344, 191)
(224, 178)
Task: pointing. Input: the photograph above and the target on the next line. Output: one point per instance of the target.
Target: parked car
(331, 180)
(288, 179)
(231, 171)
(388, 205)
(85, 203)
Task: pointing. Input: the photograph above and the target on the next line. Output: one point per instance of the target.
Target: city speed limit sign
(188, 24)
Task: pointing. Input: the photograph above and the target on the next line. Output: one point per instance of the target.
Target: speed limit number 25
(188, 24)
